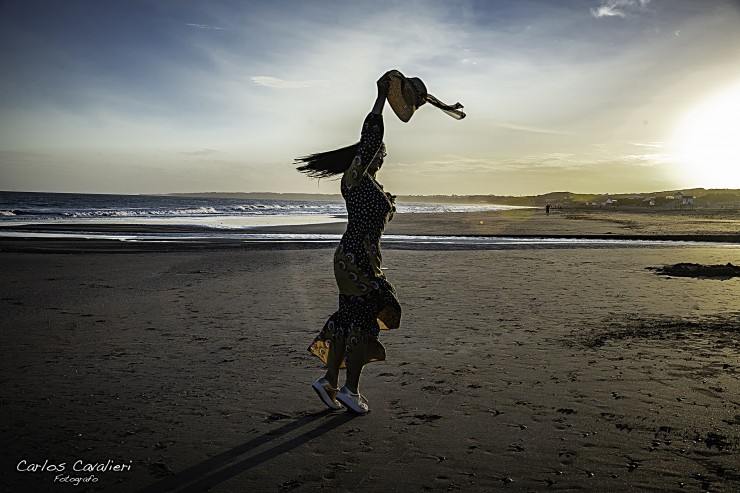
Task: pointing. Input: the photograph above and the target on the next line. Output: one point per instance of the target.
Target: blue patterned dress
(367, 301)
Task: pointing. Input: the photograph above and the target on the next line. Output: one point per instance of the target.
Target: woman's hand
(392, 200)
(384, 84)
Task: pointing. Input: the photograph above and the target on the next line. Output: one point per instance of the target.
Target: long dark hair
(328, 163)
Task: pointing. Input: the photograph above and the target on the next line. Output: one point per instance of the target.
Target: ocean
(35, 207)
(207, 218)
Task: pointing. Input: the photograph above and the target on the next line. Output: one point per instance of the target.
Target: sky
(587, 96)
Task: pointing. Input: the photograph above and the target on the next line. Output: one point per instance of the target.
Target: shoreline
(676, 226)
(104, 245)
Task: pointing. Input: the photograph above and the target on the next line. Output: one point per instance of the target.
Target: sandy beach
(161, 368)
(708, 225)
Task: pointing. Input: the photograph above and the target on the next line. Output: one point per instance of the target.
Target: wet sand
(700, 225)
(517, 369)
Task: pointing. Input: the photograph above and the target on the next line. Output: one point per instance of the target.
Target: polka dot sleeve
(370, 140)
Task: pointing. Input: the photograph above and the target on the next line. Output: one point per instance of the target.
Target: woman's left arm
(372, 128)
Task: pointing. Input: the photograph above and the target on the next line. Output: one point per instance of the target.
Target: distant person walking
(547, 209)
(367, 301)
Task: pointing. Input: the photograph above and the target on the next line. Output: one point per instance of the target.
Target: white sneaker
(354, 402)
(326, 393)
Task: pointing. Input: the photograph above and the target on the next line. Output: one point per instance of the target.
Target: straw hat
(407, 94)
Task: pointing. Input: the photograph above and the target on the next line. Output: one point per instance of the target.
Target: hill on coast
(695, 197)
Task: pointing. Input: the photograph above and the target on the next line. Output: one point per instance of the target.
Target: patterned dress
(367, 301)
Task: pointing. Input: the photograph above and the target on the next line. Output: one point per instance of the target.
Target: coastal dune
(559, 368)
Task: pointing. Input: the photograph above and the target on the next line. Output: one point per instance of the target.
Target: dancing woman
(367, 301)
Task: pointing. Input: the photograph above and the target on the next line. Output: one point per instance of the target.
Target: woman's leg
(360, 351)
(361, 337)
(331, 350)
(354, 369)
(350, 395)
(334, 359)
(332, 375)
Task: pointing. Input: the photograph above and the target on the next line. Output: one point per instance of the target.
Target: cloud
(649, 160)
(526, 128)
(201, 152)
(204, 26)
(276, 83)
(618, 8)
(545, 161)
(648, 144)
(458, 163)
(451, 163)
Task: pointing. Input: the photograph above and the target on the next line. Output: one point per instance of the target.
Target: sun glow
(706, 144)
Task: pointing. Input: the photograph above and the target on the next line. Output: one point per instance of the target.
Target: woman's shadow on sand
(218, 469)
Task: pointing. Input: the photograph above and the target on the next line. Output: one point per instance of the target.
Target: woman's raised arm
(371, 137)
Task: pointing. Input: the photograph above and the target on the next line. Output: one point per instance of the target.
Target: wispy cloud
(648, 160)
(527, 128)
(545, 161)
(459, 163)
(276, 83)
(618, 8)
(454, 163)
(201, 152)
(204, 26)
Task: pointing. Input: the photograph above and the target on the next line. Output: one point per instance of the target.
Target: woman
(367, 301)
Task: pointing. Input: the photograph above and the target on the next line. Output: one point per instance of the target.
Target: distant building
(681, 200)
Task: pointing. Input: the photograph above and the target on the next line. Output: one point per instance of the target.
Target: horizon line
(668, 191)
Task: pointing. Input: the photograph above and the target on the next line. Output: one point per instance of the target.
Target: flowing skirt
(350, 336)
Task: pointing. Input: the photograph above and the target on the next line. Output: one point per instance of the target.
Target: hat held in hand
(407, 94)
